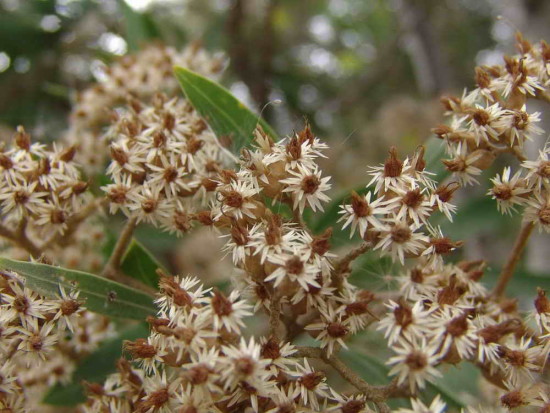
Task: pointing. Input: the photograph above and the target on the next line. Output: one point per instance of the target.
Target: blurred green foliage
(366, 74)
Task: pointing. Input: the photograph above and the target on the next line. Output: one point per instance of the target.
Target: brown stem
(513, 258)
(275, 316)
(19, 237)
(294, 329)
(377, 394)
(342, 267)
(382, 407)
(113, 265)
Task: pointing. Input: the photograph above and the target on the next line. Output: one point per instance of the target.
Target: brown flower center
(294, 265)
(401, 234)
(416, 361)
(310, 184)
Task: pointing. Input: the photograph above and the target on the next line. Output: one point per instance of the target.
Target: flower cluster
(528, 188)
(393, 218)
(140, 76)
(445, 317)
(169, 170)
(41, 341)
(43, 198)
(494, 118)
(194, 361)
(164, 160)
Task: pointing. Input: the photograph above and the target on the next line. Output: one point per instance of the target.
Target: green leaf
(225, 114)
(435, 151)
(373, 371)
(94, 369)
(139, 27)
(101, 295)
(140, 264)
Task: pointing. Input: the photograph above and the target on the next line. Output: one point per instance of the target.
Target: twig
(342, 266)
(294, 329)
(377, 394)
(275, 316)
(383, 407)
(513, 258)
(113, 265)
(20, 238)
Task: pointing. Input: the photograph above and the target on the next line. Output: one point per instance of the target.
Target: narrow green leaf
(139, 27)
(94, 369)
(140, 264)
(373, 371)
(225, 114)
(101, 295)
(435, 151)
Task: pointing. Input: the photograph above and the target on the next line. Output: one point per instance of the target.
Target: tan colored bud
(22, 139)
(485, 160)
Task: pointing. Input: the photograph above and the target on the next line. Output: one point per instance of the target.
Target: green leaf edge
(192, 82)
(48, 285)
(137, 247)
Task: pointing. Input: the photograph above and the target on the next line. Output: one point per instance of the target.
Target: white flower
(462, 164)
(68, 309)
(484, 123)
(398, 238)
(37, 341)
(404, 321)
(24, 304)
(538, 172)
(202, 371)
(227, 312)
(538, 211)
(508, 191)
(415, 363)
(310, 384)
(394, 173)
(362, 213)
(160, 393)
(191, 333)
(21, 200)
(271, 238)
(306, 187)
(412, 204)
(520, 125)
(237, 200)
(191, 399)
(333, 328)
(148, 205)
(294, 267)
(521, 360)
(452, 327)
(180, 296)
(244, 363)
(355, 403)
(279, 354)
(437, 406)
(517, 79)
(440, 199)
(169, 175)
